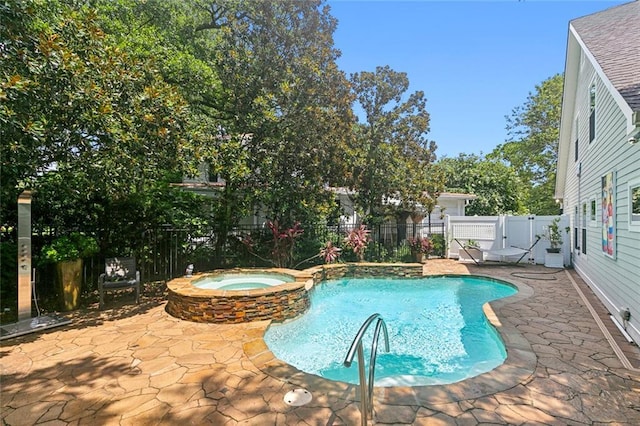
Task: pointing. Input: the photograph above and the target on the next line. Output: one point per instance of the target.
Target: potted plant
(420, 248)
(554, 257)
(67, 253)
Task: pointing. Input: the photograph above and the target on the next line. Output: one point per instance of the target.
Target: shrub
(69, 247)
(357, 240)
(420, 245)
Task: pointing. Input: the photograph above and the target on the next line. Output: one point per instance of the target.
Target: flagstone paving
(137, 365)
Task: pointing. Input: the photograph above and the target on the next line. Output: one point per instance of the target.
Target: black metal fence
(167, 252)
(163, 254)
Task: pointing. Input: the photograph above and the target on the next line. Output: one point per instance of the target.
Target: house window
(584, 229)
(575, 149)
(212, 175)
(592, 211)
(634, 206)
(576, 240)
(592, 113)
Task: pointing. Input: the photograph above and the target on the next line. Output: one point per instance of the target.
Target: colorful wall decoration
(608, 214)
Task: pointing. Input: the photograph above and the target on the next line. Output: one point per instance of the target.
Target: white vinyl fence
(492, 233)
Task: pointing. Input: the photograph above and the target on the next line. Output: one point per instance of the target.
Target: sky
(475, 60)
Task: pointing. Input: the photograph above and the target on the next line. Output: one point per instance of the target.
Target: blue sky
(475, 60)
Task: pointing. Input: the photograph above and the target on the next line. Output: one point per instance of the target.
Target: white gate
(493, 233)
(520, 233)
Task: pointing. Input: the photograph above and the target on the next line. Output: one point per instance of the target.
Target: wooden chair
(119, 272)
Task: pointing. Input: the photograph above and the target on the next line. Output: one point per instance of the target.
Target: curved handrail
(358, 339)
(366, 390)
(374, 354)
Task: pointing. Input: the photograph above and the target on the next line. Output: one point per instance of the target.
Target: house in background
(598, 170)
(448, 203)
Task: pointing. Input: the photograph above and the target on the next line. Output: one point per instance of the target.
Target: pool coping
(518, 368)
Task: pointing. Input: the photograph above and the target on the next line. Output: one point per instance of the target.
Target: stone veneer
(277, 303)
(365, 270)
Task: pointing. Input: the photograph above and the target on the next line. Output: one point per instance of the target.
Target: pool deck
(137, 365)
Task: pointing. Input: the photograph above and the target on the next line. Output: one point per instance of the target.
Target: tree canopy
(495, 184)
(393, 158)
(80, 116)
(532, 148)
(277, 65)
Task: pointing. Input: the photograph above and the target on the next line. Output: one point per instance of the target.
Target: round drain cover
(298, 397)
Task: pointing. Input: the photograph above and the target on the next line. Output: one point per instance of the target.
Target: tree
(79, 115)
(495, 184)
(392, 158)
(532, 147)
(284, 101)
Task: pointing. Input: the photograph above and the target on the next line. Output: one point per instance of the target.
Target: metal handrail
(366, 390)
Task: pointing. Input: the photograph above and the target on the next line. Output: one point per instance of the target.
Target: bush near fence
(169, 251)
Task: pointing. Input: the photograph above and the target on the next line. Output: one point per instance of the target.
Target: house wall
(454, 207)
(615, 279)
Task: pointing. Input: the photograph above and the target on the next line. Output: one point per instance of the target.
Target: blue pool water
(438, 333)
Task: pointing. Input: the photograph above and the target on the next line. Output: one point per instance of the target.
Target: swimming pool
(438, 333)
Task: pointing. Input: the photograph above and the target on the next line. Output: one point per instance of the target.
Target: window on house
(576, 240)
(634, 206)
(592, 211)
(592, 113)
(583, 243)
(212, 176)
(575, 149)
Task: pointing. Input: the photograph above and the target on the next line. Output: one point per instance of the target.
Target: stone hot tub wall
(277, 303)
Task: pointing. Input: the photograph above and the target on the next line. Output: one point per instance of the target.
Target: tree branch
(218, 17)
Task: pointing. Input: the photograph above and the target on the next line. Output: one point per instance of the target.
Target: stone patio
(137, 365)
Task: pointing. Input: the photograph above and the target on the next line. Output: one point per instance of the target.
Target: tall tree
(285, 98)
(79, 112)
(495, 184)
(532, 147)
(393, 157)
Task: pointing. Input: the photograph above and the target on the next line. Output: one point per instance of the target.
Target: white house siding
(616, 280)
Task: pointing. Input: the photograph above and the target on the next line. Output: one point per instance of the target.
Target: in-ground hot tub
(240, 295)
(242, 280)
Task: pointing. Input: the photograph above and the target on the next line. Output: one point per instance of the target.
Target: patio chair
(119, 273)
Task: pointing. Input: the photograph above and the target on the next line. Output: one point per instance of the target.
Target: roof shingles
(613, 38)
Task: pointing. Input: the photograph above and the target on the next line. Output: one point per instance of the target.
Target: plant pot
(553, 260)
(69, 275)
(419, 257)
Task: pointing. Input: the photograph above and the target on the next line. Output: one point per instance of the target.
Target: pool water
(242, 281)
(438, 333)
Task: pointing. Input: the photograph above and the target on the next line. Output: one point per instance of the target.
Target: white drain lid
(298, 397)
